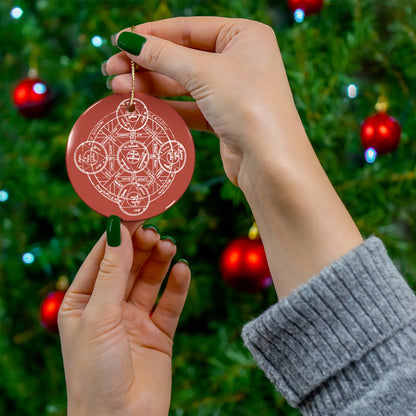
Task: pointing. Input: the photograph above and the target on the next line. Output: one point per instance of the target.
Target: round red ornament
(49, 310)
(134, 163)
(32, 98)
(308, 6)
(244, 267)
(380, 132)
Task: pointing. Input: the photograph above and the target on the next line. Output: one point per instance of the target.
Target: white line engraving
(131, 158)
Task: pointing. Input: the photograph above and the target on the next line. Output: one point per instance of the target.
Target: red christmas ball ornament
(32, 98)
(244, 267)
(49, 310)
(380, 132)
(308, 6)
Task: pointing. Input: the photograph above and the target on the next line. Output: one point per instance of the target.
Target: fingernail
(113, 231)
(168, 237)
(150, 227)
(131, 42)
(184, 261)
(114, 39)
(104, 69)
(108, 82)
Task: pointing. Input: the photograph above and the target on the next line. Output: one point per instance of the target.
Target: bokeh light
(16, 12)
(370, 155)
(28, 258)
(97, 41)
(299, 15)
(352, 91)
(4, 195)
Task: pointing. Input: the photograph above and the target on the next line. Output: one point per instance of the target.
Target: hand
(117, 352)
(233, 70)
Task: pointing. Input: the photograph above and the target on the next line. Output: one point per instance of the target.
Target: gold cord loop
(133, 73)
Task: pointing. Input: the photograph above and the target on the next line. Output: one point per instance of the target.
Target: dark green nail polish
(131, 42)
(150, 227)
(104, 69)
(113, 231)
(168, 237)
(108, 82)
(184, 261)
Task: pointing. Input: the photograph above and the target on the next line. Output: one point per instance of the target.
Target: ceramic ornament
(130, 156)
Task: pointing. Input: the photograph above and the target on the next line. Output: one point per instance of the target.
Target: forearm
(303, 223)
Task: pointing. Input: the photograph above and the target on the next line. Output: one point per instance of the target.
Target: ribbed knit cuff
(329, 328)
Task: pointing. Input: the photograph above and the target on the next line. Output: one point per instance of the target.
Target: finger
(165, 57)
(79, 292)
(149, 83)
(199, 32)
(167, 312)
(111, 283)
(85, 278)
(132, 226)
(152, 273)
(144, 240)
(117, 64)
(178, 47)
(84, 281)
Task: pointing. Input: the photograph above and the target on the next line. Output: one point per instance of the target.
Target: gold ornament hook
(253, 232)
(62, 283)
(382, 104)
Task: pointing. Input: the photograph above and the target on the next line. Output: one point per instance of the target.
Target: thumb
(110, 286)
(178, 62)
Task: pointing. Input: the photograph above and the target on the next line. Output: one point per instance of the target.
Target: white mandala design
(131, 158)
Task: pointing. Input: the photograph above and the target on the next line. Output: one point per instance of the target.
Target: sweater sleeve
(344, 343)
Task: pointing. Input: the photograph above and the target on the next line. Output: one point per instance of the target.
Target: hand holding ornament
(116, 346)
(233, 70)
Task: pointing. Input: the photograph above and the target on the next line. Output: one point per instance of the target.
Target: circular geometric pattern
(90, 157)
(132, 156)
(132, 120)
(172, 157)
(134, 198)
(135, 164)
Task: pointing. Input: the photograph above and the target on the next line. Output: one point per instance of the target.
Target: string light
(4, 195)
(97, 41)
(299, 15)
(16, 12)
(28, 258)
(370, 155)
(39, 88)
(352, 91)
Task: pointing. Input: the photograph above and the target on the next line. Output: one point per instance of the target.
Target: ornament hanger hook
(382, 104)
(131, 107)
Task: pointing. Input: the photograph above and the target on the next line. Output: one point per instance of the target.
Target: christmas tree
(341, 60)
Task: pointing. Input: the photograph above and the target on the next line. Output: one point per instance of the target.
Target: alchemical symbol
(135, 164)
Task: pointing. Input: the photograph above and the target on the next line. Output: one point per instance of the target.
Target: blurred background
(347, 61)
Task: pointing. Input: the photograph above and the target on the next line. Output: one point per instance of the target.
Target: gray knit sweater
(344, 343)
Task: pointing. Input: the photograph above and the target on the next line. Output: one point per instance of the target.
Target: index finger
(197, 32)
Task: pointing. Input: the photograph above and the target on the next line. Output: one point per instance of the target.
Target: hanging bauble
(307, 6)
(244, 265)
(32, 98)
(380, 132)
(49, 310)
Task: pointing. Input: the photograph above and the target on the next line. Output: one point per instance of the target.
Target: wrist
(273, 150)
